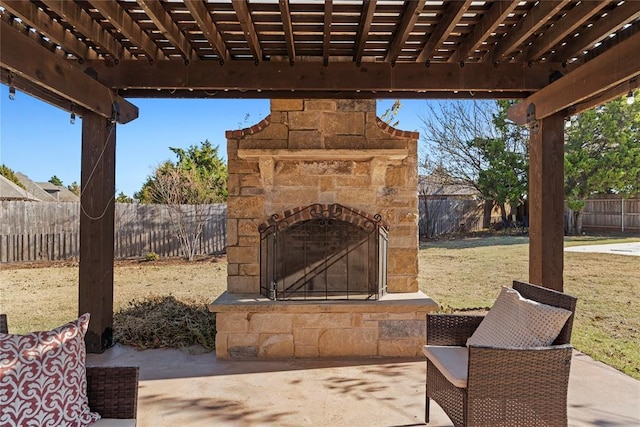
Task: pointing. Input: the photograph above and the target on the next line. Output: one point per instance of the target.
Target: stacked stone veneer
(319, 151)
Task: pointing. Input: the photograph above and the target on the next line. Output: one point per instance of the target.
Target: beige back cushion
(518, 322)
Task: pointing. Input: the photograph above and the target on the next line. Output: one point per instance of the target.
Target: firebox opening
(323, 252)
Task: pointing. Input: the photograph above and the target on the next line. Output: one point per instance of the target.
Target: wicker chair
(504, 386)
(112, 391)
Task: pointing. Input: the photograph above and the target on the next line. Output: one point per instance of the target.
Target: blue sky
(38, 140)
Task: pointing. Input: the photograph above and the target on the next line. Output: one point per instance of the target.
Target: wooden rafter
(162, 20)
(605, 96)
(409, 19)
(285, 14)
(627, 12)
(448, 22)
(561, 29)
(535, 19)
(308, 76)
(366, 18)
(36, 18)
(208, 28)
(326, 34)
(490, 21)
(617, 65)
(59, 76)
(249, 30)
(85, 25)
(120, 19)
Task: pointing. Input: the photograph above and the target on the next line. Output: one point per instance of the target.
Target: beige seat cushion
(113, 422)
(451, 361)
(517, 322)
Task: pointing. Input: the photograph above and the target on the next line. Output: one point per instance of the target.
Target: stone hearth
(321, 152)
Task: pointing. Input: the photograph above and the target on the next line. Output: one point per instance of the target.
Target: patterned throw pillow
(43, 379)
(518, 322)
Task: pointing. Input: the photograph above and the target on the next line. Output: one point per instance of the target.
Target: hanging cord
(112, 126)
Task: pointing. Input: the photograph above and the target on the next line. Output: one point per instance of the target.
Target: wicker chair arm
(451, 329)
(534, 380)
(113, 391)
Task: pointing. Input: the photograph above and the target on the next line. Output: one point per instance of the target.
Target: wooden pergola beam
(32, 16)
(326, 36)
(209, 29)
(164, 22)
(313, 76)
(629, 11)
(615, 66)
(490, 21)
(366, 18)
(409, 18)
(565, 26)
(59, 76)
(446, 24)
(84, 24)
(249, 30)
(287, 27)
(120, 19)
(515, 36)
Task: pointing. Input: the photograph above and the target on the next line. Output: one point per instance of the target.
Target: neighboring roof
(11, 191)
(436, 186)
(59, 192)
(34, 188)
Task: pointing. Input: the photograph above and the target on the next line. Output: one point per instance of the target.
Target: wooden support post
(546, 202)
(96, 228)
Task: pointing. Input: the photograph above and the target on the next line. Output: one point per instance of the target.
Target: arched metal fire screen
(323, 252)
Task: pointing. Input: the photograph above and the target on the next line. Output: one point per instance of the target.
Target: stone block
(304, 120)
(399, 329)
(396, 177)
(242, 340)
(233, 184)
(328, 167)
(271, 323)
(362, 168)
(300, 196)
(243, 352)
(250, 180)
(276, 345)
(375, 316)
(397, 283)
(351, 142)
(348, 342)
(243, 166)
(245, 207)
(232, 322)
(233, 269)
(296, 181)
(399, 348)
(327, 183)
(319, 105)
(357, 196)
(249, 270)
(410, 241)
(306, 336)
(322, 320)
(340, 123)
(221, 346)
(364, 105)
(403, 261)
(305, 139)
(248, 227)
(243, 254)
(232, 232)
(306, 351)
(407, 216)
(249, 241)
(287, 104)
(271, 138)
(375, 140)
(287, 167)
(243, 284)
(353, 181)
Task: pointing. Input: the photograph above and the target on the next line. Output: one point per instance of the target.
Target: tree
(477, 145)
(74, 188)
(389, 115)
(123, 198)
(602, 155)
(188, 188)
(8, 173)
(55, 181)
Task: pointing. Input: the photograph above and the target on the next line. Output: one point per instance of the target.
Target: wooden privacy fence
(615, 213)
(37, 231)
(445, 216)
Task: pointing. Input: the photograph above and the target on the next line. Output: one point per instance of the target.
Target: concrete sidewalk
(181, 389)
(632, 249)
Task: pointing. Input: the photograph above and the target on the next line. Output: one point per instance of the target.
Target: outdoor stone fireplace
(322, 225)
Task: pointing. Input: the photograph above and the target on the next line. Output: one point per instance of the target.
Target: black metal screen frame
(358, 229)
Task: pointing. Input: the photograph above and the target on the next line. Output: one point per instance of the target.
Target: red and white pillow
(43, 379)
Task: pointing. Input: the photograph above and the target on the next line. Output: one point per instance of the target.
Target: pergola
(90, 56)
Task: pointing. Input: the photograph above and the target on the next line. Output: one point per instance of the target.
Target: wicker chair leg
(426, 410)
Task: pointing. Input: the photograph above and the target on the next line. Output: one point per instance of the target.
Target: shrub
(151, 256)
(163, 321)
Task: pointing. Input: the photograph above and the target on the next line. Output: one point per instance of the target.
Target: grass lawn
(458, 274)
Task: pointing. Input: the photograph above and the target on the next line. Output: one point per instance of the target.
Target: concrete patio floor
(182, 389)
